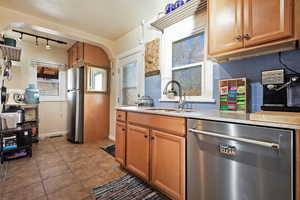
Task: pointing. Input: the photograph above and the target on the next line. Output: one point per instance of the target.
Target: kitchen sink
(170, 110)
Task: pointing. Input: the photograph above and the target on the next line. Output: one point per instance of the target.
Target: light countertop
(210, 115)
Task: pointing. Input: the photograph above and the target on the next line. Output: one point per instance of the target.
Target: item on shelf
(233, 95)
(32, 95)
(10, 143)
(187, 1)
(1, 39)
(10, 42)
(179, 3)
(174, 16)
(16, 155)
(169, 8)
(145, 101)
(19, 98)
(9, 120)
(15, 96)
(18, 143)
(160, 15)
(4, 95)
(19, 111)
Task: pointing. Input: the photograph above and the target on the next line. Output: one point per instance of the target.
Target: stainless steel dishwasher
(227, 161)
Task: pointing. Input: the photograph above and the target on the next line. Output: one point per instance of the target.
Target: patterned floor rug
(110, 149)
(127, 187)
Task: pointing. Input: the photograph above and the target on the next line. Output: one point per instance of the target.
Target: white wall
(53, 115)
(131, 40)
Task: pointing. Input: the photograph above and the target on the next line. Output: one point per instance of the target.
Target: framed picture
(97, 79)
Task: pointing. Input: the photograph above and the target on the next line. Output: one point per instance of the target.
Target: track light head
(48, 47)
(21, 37)
(36, 42)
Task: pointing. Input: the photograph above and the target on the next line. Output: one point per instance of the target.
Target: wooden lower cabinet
(120, 143)
(153, 153)
(137, 151)
(168, 163)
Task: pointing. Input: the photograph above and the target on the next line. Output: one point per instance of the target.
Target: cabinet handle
(238, 37)
(246, 36)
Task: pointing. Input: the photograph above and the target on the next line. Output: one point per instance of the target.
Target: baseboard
(57, 133)
(112, 138)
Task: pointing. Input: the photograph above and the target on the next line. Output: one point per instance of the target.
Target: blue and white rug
(127, 187)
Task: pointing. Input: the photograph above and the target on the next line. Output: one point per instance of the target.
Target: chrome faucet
(181, 101)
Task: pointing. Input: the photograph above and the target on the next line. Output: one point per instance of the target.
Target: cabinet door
(96, 56)
(267, 20)
(74, 55)
(225, 25)
(120, 142)
(70, 58)
(137, 152)
(80, 53)
(168, 163)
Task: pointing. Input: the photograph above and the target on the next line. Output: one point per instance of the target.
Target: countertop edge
(213, 115)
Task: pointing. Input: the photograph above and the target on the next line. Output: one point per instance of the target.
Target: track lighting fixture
(39, 37)
(48, 46)
(21, 37)
(36, 42)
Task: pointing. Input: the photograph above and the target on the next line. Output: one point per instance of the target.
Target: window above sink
(184, 49)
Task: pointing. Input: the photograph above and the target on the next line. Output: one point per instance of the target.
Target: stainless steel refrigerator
(75, 93)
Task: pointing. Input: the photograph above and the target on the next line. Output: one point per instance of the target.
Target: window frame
(137, 54)
(180, 31)
(61, 80)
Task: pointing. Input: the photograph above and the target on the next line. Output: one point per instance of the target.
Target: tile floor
(59, 170)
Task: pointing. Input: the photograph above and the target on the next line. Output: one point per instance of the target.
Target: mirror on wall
(96, 79)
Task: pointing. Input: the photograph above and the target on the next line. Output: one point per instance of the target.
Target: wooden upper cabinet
(80, 53)
(137, 151)
(94, 55)
(120, 142)
(74, 55)
(168, 163)
(225, 25)
(70, 58)
(267, 20)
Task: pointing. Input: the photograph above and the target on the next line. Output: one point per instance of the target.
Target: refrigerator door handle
(77, 117)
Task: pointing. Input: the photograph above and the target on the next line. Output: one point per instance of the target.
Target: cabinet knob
(152, 137)
(123, 129)
(146, 136)
(246, 36)
(238, 37)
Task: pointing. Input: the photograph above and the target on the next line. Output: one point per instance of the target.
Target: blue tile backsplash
(250, 68)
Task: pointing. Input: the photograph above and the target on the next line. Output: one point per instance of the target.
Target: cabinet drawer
(121, 116)
(174, 125)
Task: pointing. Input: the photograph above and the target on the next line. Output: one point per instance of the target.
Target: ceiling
(107, 18)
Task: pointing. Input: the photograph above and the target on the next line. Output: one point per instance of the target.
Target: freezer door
(72, 78)
(76, 78)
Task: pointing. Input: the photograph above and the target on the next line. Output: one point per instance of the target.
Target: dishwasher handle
(239, 139)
